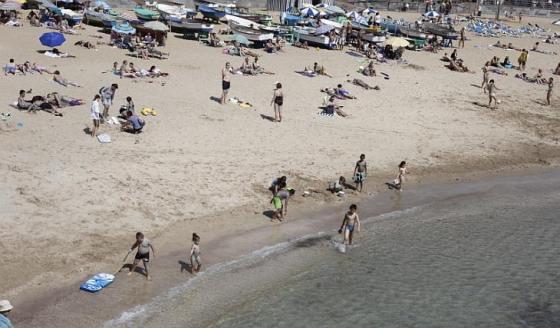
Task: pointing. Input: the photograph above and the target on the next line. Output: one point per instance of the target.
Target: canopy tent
(156, 26)
(431, 14)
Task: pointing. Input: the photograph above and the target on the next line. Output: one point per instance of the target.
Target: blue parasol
(52, 39)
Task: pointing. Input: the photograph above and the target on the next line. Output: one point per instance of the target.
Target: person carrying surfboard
(350, 223)
(143, 254)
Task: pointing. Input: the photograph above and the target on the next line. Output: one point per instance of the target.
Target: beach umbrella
(52, 39)
(369, 11)
(240, 39)
(354, 15)
(156, 26)
(431, 14)
(309, 12)
(10, 6)
(396, 42)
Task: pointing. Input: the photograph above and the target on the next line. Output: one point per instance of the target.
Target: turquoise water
(489, 257)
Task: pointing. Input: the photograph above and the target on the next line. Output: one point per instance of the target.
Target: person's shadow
(216, 99)
(267, 117)
(185, 267)
(269, 214)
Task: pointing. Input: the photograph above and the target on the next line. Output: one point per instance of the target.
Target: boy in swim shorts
(143, 254)
(350, 223)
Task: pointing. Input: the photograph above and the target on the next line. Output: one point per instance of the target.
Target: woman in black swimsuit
(278, 101)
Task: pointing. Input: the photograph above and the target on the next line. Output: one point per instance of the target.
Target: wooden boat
(146, 14)
(244, 13)
(211, 12)
(175, 12)
(72, 17)
(189, 26)
(251, 34)
(123, 28)
(250, 24)
(444, 31)
(374, 37)
(412, 32)
(100, 17)
(308, 34)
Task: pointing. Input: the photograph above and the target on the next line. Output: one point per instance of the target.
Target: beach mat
(97, 282)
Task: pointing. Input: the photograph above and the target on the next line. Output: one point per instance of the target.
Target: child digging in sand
(195, 254)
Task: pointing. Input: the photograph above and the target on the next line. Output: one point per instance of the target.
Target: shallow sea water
(489, 257)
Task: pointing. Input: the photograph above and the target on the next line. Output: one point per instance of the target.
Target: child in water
(195, 253)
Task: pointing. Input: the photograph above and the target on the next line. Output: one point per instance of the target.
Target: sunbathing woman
(156, 72)
(62, 81)
(343, 93)
(85, 44)
(363, 84)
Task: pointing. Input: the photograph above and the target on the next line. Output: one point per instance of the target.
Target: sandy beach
(71, 205)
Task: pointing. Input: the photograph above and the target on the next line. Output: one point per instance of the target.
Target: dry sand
(71, 206)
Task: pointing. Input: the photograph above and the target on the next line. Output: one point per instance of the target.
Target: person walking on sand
(5, 308)
(522, 59)
(399, 180)
(485, 77)
(462, 38)
(492, 94)
(226, 82)
(360, 172)
(107, 95)
(549, 92)
(195, 253)
(95, 112)
(143, 254)
(350, 223)
(278, 101)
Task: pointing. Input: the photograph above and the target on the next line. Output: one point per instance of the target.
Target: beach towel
(104, 138)
(97, 282)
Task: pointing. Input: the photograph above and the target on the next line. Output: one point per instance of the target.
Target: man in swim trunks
(350, 223)
(143, 254)
(107, 95)
(226, 82)
(360, 172)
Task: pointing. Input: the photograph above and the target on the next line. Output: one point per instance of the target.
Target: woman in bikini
(400, 177)
(278, 101)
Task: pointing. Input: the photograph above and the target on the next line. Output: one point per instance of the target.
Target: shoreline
(223, 246)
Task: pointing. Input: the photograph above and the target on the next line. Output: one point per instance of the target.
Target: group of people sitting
(130, 71)
(11, 68)
(455, 63)
(50, 103)
(253, 68)
(274, 45)
(9, 18)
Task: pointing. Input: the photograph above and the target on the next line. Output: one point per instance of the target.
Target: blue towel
(97, 282)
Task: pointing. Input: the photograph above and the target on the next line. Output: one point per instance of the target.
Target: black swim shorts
(143, 257)
(225, 85)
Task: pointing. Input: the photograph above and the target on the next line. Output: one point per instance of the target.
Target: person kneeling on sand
(350, 223)
(134, 124)
(143, 254)
(195, 254)
(369, 70)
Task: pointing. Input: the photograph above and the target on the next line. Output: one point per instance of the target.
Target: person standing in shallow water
(350, 223)
(400, 176)
(143, 254)
(360, 172)
(277, 101)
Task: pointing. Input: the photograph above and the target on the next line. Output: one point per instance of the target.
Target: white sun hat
(5, 306)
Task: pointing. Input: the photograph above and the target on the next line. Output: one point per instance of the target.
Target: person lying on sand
(62, 81)
(41, 103)
(303, 45)
(340, 185)
(363, 84)
(155, 72)
(498, 71)
(124, 70)
(59, 101)
(536, 48)
(40, 69)
(369, 70)
(55, 53)
(549, 40)
(85, 44)
(343, 93)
